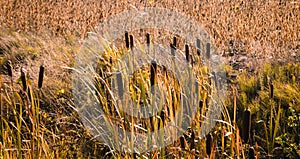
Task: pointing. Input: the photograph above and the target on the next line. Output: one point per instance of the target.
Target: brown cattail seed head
(41, 76)
(192, 146)
(209, 140)
(246, 125)
(174, 41)
(198, 43)
(251, 153)
(131, 41)
(9, 68)
(23, 79)
(127, 39)
(173, 48)
(182, 143)
(120, 84)
(148, 39)
(187, 53)
(153, 71)
(208, 50)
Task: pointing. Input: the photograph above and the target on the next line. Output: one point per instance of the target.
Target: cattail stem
(41, 76)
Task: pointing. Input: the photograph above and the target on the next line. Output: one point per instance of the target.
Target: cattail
(173, 48)
(110, 60)
(148, 39)
(153, 71)
(162, 117)
(246, 125)
(192, 146)
(161, 121)
(127, 40)
(208, 50)
(174, 41)
(182, 143)
(120, 85)
(131, 41)
(207, 103)
(209, 140)
(187, 53)
(198, 44)
(251, 153)
(151, 122)
(200, 105)
(196, 88)
(198, 52)
(9, 68)
(271, 90)
(23, 79)
(215, 79)
(41, 76)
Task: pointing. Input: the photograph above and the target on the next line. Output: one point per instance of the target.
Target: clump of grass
(276, 92)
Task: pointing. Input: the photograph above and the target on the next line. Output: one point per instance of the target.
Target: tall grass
(38, 116)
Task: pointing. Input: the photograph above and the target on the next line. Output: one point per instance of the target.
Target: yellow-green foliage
(273, 112)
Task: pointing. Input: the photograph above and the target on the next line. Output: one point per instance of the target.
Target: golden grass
(263, 27)
(43, 124)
